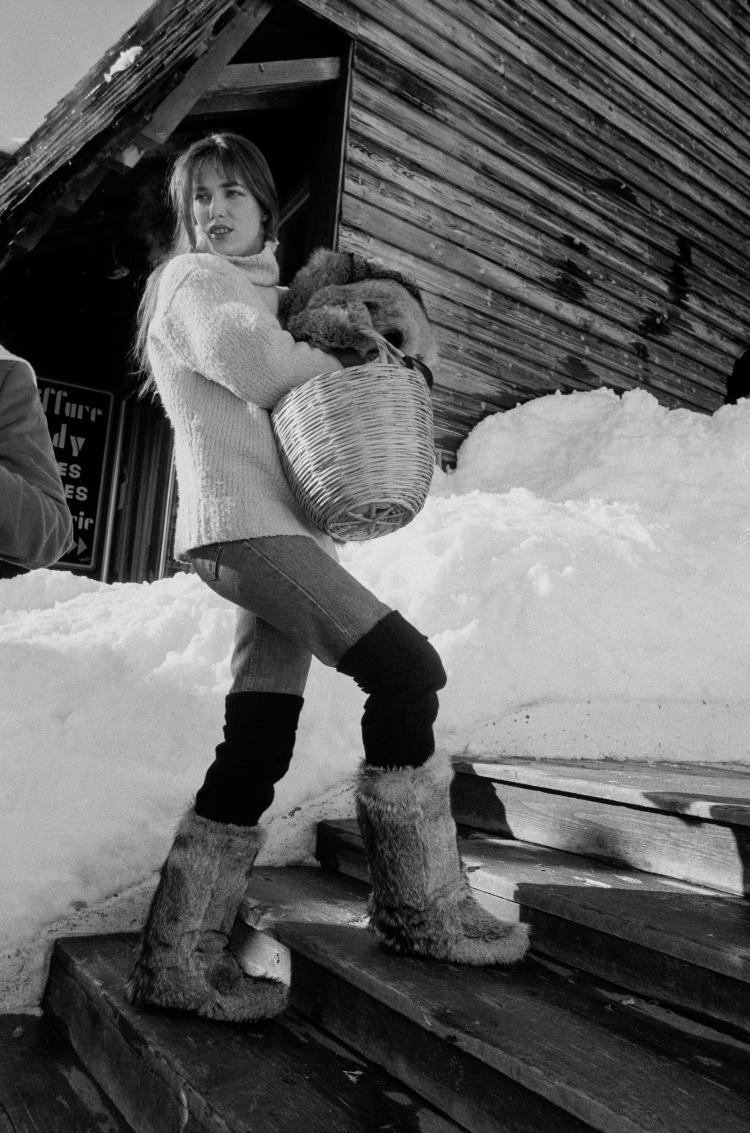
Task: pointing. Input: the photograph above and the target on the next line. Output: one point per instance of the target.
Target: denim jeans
(294, 600)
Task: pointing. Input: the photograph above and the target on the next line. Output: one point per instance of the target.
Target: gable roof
(116, 98)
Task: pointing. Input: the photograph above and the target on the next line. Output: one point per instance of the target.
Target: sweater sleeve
(211, 326)
(35, 523)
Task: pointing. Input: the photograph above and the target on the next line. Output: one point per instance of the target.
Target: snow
(124, 60)
(583, 574)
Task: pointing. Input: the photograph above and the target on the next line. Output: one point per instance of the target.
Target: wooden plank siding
(569, 180)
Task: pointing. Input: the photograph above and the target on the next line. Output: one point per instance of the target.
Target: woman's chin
(233, 248)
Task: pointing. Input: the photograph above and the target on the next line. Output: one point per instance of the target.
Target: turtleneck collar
(262, 268)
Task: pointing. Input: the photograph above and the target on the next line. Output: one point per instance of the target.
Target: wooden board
(607, 1060)
(433, 1064)
(180, 1058)
(529, 172)
(241, 86)
(653, 935)
(276, 74)
(700, 851)
(719, 793)
(605, 277)
(493, 284)
(174, 1073)
(386, 147)
(555, 108)
(706, 928)
(43, 1086)
(518, 273)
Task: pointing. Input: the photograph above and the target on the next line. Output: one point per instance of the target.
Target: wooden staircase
(631, 1015)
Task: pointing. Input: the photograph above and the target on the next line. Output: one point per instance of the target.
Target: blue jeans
(294, 600)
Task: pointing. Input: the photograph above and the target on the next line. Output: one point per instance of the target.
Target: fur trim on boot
(421, 902)
(185, 962)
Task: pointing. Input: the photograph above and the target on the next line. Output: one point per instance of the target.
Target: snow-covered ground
(584, 574)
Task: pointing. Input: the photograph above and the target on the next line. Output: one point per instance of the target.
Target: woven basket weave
(357, 446)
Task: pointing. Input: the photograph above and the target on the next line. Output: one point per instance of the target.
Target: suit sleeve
(239, 345)
(35, 522)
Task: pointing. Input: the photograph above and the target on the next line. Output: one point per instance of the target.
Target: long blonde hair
(232, 156)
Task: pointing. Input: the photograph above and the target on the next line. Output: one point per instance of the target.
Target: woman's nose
(216, 208)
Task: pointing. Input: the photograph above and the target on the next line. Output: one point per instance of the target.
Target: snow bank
(584, 575)
(112, 701)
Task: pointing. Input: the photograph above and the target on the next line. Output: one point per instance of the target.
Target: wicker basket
(357, 446)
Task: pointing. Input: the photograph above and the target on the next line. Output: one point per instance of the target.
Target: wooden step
(680, 944)
(687, 822)
(170, 1072)
(44, 1087)
(530, 1048)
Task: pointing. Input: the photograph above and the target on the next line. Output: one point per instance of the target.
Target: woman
(220, 362)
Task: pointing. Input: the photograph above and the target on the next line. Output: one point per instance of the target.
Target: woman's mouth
(219, 230)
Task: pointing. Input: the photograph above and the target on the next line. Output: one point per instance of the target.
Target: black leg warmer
(258, 743)
(401, 672)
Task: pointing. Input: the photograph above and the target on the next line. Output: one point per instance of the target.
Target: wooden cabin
(568, 183)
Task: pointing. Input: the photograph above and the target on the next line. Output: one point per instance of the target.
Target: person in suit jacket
(35, 522)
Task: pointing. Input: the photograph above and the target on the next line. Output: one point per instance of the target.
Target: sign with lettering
(79, 421)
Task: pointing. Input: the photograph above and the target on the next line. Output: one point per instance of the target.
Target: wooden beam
(205, 71)
(278, 74)
(231, 102)
(248, 86)
(297, 201)
(328, 177)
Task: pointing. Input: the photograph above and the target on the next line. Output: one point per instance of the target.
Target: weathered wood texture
(568, 181)
(175, 1073)
(476, 1040)
(659, 836)
(715, 791)
(44, 1088)
(682, 945)
(526, 1049)
(244, 85)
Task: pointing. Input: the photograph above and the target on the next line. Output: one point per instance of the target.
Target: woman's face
(227, 212)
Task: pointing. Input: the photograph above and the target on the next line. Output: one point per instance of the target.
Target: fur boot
(185, 962)
(421, 902)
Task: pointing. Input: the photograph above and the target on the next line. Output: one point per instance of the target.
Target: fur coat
(341, 301)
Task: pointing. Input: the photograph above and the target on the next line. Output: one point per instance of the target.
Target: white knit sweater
(221, 361)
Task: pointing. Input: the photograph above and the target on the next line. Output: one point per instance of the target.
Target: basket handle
(387, 352)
